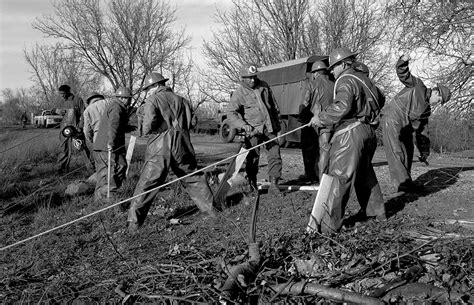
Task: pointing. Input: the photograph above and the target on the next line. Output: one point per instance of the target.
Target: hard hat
(64, 88)
(123, 92)
(248, 70)
(93, 95)
(318, 65)
(361, 67)
(445, 93)
(153, 78)
(338, 55)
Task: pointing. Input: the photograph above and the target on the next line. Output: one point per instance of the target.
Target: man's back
(92, 116)
(164, 109)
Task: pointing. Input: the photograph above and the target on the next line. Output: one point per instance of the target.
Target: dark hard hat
(153, 78)
(123, 92)
(338, 55)
(318, 65)
(248, 70)
(361, 67)
(445, 93)
(93, 95)
(64, 88)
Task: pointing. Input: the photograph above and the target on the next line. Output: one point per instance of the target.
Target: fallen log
(333, 294)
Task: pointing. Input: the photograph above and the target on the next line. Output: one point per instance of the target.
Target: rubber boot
(274, 190)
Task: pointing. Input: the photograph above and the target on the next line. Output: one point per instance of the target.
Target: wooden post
(128, 157)
(320, 203)
(108, 174)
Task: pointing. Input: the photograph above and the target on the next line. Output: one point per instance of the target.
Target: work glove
(247, 128)
(77, 144)
(316, 122)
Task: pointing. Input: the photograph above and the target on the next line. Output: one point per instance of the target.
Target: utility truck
(47, 119)
(288, 81)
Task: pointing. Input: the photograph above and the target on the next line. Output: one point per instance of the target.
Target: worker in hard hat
(317, 97)
(354, 113)
(253, 109)
(72, 110)
(110, 143)
(96, 106)
(167, 123)
(406, 114)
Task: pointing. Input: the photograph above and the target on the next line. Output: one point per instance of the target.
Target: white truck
(47, 119)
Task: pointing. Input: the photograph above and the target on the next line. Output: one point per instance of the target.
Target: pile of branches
(401, 260)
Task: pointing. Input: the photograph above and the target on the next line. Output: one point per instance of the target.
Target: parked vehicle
(47, 119)
(289, 81)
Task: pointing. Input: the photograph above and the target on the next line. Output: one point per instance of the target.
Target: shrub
(450, 134)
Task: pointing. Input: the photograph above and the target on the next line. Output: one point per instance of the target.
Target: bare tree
(271, 31)
(441, 30)
(53, 66)
(14, 102)
(123, 40)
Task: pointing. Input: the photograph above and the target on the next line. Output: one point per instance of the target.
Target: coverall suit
(72, 111)
(317, 98)
(408, 112)
(354, 112)
(167, 121)
(112, 126)
(92, 116)
(257, 108)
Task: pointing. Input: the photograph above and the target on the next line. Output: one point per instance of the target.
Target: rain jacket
(256, 107)
(408, 112)
(412, 104)
(317, 97)
(356, 99)
(92, 116)
(354, 113)
(167, 122)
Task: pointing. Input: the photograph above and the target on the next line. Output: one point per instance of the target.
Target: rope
(146, 192)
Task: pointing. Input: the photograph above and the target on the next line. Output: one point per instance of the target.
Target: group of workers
(341, 109)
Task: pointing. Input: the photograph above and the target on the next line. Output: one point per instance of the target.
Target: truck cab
(47, 119)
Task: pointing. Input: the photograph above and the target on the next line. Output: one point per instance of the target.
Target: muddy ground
(182, 256)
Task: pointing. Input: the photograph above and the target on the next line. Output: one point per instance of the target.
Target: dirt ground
(448, 180)
(181, 256)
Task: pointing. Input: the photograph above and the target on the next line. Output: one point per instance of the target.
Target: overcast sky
(16, 32)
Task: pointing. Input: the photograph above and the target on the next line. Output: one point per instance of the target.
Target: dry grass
(84, 262)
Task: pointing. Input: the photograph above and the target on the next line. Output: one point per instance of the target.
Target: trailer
(288, 81)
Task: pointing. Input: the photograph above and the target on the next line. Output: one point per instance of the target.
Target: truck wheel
(283, 129)
(227, 132)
